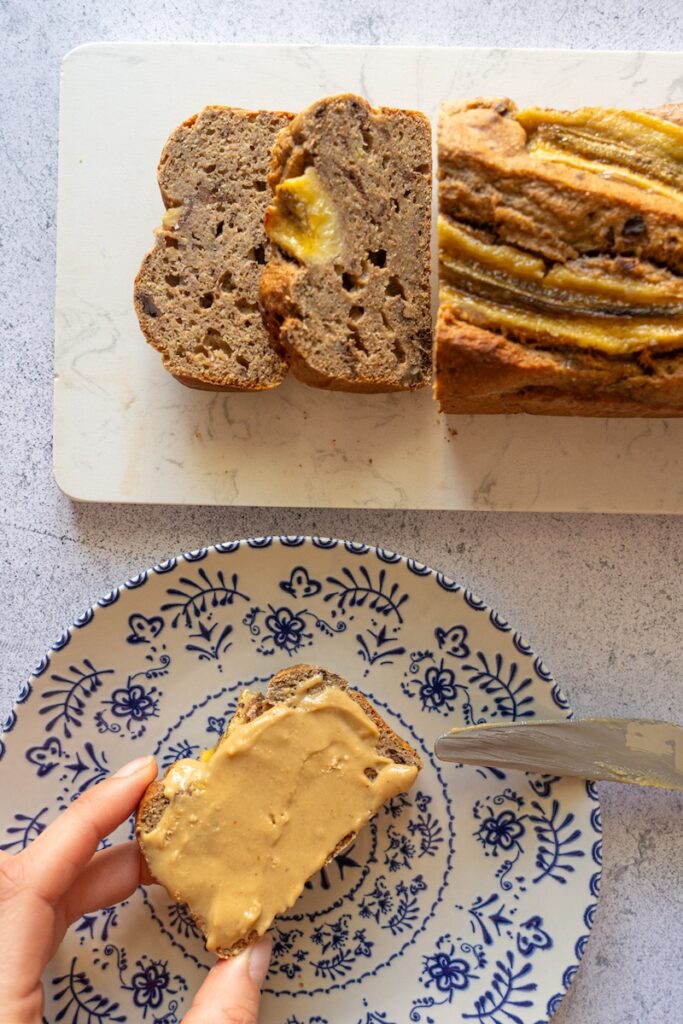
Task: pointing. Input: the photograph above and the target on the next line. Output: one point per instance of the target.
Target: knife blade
(639, 752)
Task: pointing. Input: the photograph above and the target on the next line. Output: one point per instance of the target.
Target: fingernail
(259, 960)
(133, 767)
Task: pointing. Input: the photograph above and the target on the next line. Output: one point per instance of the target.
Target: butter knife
(641, 752)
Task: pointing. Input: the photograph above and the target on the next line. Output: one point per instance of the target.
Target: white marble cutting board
(125, 431)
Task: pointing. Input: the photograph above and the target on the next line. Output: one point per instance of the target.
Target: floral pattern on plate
(468, 899)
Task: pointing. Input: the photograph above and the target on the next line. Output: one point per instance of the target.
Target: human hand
(61, 876)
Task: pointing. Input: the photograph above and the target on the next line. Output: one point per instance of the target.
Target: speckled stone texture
(599, 597)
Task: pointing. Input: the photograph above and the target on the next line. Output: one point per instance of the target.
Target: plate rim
(387, 556)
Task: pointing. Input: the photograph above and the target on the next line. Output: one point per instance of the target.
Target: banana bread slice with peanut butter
(196, 294)
(561, 260)
(347, 288)
(300, 769)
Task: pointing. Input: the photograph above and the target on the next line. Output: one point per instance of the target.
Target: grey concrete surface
(599, 597)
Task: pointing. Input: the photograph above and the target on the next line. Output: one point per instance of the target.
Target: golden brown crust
(150, 804)
(488, 179)
(388, 739)
(486, 176)
(668, 111)
(478, 371)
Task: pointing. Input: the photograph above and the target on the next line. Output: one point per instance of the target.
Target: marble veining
(599, 595)
(149, 439)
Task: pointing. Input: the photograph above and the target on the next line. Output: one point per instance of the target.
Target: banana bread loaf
(561, 261)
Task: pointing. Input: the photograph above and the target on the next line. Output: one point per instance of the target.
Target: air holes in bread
(215, 341)
(214, 173)
(398, 350)
(634, 227)
(245, 306)
(354, 339)
(394, 287)
(336, 340)
(148, 305)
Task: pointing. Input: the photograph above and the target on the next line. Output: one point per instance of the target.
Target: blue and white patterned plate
(470, 899)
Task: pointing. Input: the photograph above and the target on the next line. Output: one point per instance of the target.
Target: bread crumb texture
(347, 286)
(196, 294)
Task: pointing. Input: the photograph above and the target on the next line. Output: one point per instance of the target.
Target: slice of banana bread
(196, 294)
(347, 288)
(181, 844)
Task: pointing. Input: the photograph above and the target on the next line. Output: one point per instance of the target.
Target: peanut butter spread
(246, 828)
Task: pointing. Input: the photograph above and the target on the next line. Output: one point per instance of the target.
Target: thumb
(231, 993)
(59, 855)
